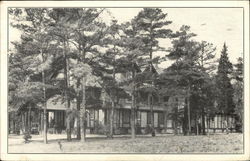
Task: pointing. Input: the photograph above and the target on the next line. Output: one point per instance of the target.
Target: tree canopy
(68, 51)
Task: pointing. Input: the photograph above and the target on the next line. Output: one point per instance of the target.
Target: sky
(214, 25)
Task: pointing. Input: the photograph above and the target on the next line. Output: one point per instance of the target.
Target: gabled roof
(156, 69)
(55, 103)
(159, 70)
(147, 69)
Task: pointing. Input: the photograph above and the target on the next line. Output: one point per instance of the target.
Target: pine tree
(183, 72)
(59, 29)
(189, 75)
(33, 51)
(238, 86)
(110, 60)
(86, 34)
(152, 24)
(130, 62)
(88, 53)
(223, 83)
(205, 62)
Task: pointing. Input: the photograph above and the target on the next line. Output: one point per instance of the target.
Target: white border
(3, 82)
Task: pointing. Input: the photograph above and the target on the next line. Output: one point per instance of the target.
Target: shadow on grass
(90, 139)
(96, 139)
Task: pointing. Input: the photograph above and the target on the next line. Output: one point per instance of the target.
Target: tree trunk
(175, 117)
(133, 134)
(23, 122)
(45, 123)
(151, 113)
(111, 122)
(197, 124)
(26, 122)
(165, 123)
(67, 104)
(188, 108)
(78, 106)
(45, 105)
(133, 108)
(83, 111)
(29, 121)
(68, 128)
(208, 124)
(41, 120)
(78, 100)
(185, 119)
(164, 113)
(150, 97)
(113, 97)
(175, 127)
(203, 121)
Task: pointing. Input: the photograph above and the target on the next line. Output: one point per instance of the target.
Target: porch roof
(144, 107)
(58, 105)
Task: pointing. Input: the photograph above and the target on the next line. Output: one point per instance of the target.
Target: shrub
(138, 129)
(101, 129)
(123, 130)
(26, 137)
(148, 129)
(158, 130)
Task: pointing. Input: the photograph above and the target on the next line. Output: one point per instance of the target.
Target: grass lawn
(217, 143)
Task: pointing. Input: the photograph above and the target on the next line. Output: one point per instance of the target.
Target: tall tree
(130, 62)
(88, 52)
(152, 25)
(86, 33)
(183, 71)
(238, 86)
(110, 57)
(205, 62)
(223, 83)
(190, 73)
(59, 29)
(35, 43)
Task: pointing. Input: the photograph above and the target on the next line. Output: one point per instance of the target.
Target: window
(148, 118)
(160, 118)
(126, 117)
(143, 119)
(138, 117)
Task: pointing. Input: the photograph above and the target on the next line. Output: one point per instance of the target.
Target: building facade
(98, 107)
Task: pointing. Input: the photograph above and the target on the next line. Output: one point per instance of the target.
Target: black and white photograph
(126, 80)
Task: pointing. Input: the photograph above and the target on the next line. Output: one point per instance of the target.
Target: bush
(26, 137)
(158, 130)
(238, 127)
(123, 131)
(101, 129)
(59, 129)
(148, 129)
(138, 129)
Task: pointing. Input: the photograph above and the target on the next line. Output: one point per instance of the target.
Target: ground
(216, 143)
